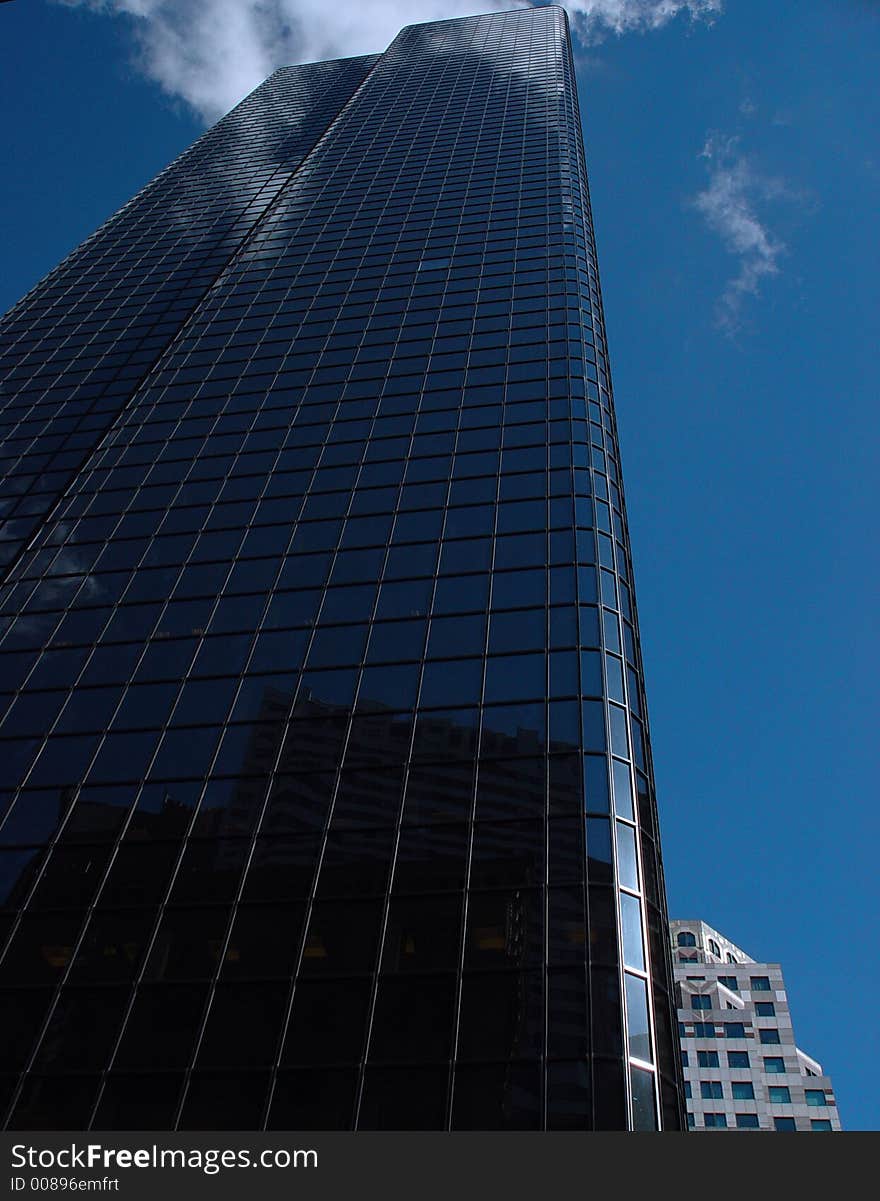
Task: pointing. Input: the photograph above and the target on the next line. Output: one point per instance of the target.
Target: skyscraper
(328, 797)
(742, 1067)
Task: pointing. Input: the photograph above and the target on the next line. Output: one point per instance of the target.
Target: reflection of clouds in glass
(85, 588)
(258, 131)
(231, 176)
(210, 53)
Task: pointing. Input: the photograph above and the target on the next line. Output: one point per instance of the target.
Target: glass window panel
(404, 1099)
(644, 1112)
(264, 942)
(515, 677)
(619, 741)
(591, 673)
(507, 854)
(318, 1099)
(596, 784)
(614, 675)
(518, 631)
(593, 719)
(413, 1018)
(328, 1022)
(342, 937)
(516, 589)
(162, 1027)
(451, 682)
(631, 925)
(423, 934)
(35, 816)
(600, 855)
(495, 1097)
(623, 803)
(389, 687)
(390, 641)
(461, 594)
(406, 598)
(627, 862)
(243, 1025)
(510, 787)
(503, 929)
(638, 1028)
(747, 1121)
(430, 858)
(450, 636)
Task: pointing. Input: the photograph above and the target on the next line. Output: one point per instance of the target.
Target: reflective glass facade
(327, 787)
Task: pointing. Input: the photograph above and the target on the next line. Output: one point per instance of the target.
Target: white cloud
(592, 17)
(729, 205)
(211, 53)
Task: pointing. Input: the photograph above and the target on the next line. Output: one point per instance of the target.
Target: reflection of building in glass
(319, 639)
(742, 1068)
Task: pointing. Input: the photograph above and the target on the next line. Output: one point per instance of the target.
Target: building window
(784, 1124)
(686, 939)
(820, 1124)
(731, 958)
(714, 1121)
(711, 1090)
(701, 1002)
(769, 1036)
(682, 1033)
(734, 1030)
(747, 1121)
(779, 1094)
(691, 1122)
(765, 1009)
(714, 948)
(774, 1065)
(742, 1090)
(688, 1091)
(707, 1059)
(684, 1059)
(730, 982)
(815, 1096)
(704, 1029)
(760, 983)
(738, 1059)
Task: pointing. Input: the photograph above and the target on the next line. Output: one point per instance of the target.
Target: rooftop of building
(705, 940)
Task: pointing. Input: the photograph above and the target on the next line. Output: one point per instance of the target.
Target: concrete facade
(742, 1067)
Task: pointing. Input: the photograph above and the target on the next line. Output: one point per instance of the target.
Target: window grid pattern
(75, 348)
(757, 1078)
(329, 790)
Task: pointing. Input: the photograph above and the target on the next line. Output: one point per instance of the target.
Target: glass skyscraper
(327, 796)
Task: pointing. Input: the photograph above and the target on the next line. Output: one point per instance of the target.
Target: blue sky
(735, 177)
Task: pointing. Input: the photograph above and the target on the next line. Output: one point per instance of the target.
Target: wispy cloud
(730, 205)
(211, 53)
(593, 18)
